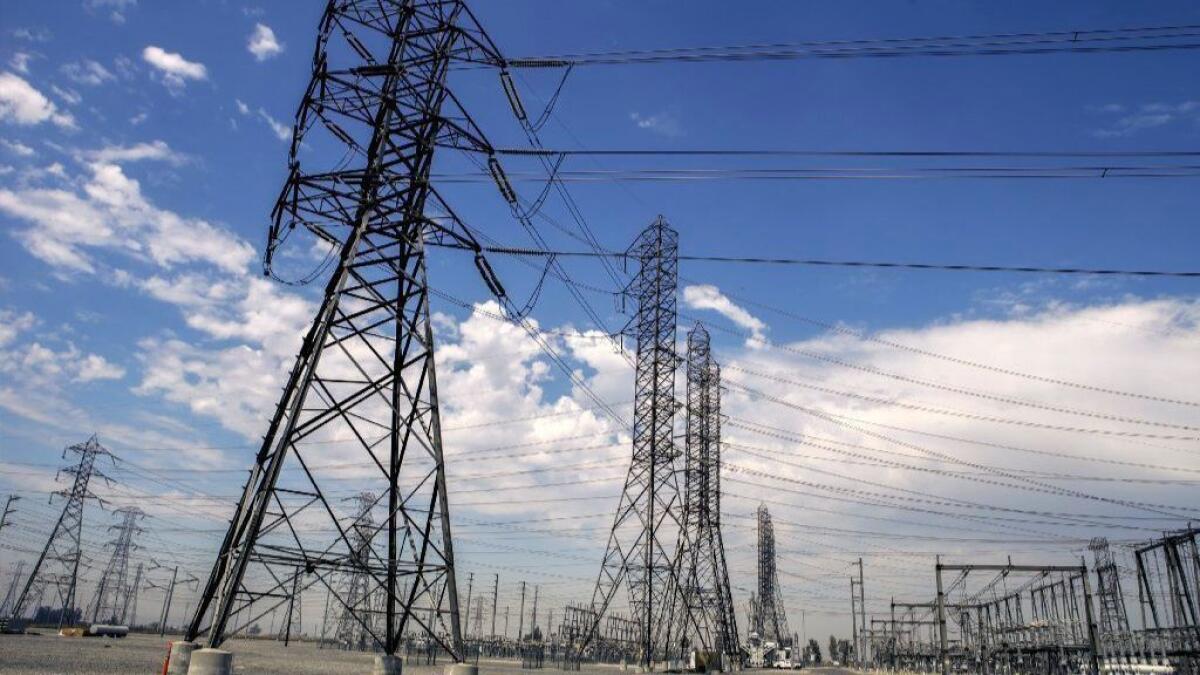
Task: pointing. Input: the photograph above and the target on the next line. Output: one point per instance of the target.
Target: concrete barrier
(179, 657)
(211, 662)
(387, 664)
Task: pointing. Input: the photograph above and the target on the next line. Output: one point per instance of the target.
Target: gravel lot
(143, 655)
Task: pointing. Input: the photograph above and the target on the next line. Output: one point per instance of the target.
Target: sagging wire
(537, 290)
(550, 104)
(524, 216)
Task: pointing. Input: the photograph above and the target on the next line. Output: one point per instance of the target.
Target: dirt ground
(143, 655)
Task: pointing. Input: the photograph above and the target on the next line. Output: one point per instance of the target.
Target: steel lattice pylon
(359, 611)
(641, 553)
(363, 385)
(112, 593)
(1113, 618)
(704, 576)
(11, 594)
(58, 564)
(770, 619)
(129, 609)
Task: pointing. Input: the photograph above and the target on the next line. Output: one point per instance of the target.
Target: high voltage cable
(744, 152)
(977, 394)
(810, 441)
(968, 415)
(773, 456)
(936, 355)
(1094, 41)
(1032, 484)
(1046, 453)
(1147, 171)
(914, 497)
(825, 262)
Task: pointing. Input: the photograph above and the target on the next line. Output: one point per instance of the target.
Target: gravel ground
(143, 655)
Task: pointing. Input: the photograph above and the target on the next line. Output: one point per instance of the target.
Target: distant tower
(58, 564)
(771, 617)
(112, 593)
(11, 594)
(129, 609)
(704, 577)
(1113, 618)
(641, 552)
(357, 625)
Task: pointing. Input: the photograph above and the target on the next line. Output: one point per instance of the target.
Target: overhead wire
(1091, 41)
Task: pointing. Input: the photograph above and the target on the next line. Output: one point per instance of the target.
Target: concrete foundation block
(387, 664)
(179, 657)
(461, 669)
(211, 662)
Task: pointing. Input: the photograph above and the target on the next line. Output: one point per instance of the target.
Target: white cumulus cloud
(111, 213)
(175, 69)
(706, 296)
(262, 43)
(21, 103)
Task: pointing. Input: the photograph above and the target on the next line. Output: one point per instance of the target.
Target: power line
(1101, 171)
(760, 152)
(968, 415)
(817, 262)
(935, 355)
(1096, 41)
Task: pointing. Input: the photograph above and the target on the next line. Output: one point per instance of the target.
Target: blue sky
(145, 142)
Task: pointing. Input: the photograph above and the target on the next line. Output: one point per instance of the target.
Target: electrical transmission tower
(112, 593)
(649, 519)
(1113, 618)
(357, 623)
(705, 577)
(58, 564)
(770, 620)
(131, 598)
(377, 107)
(11, 594)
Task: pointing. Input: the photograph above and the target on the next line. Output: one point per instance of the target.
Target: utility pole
(58, 563)
(7, 510)
(506, 622)
(521, 616)
(854, 616)
(169, 593)
(466, 631)
(860, 650)
(166, 610)
(943, 651)
(496, 594)
(533, 617)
